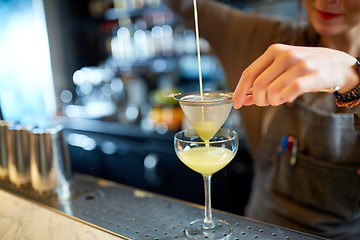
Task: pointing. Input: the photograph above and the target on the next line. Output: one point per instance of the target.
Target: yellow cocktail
(206, 129)
(206, 160)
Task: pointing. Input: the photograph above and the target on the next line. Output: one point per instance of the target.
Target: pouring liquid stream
(205, 132)
(198, 48)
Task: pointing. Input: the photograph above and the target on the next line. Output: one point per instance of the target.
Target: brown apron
(314, 185)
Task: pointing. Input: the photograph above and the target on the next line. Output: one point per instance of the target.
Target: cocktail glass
(207, 158)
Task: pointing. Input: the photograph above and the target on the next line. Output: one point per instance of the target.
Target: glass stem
(208, 222)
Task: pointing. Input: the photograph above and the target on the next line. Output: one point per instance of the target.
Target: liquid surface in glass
(206, 160)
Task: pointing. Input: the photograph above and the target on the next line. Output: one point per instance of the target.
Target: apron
(307, 173)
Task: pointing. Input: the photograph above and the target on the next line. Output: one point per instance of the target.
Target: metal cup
(4, 125)
(50, 161)
(19, 154)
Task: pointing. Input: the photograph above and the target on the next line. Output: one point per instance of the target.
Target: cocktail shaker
(50, 161)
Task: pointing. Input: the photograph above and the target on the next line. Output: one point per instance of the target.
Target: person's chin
(326, 30)
(327, 27)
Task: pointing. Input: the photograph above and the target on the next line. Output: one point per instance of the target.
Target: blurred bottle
(136, 92)
(165, 112)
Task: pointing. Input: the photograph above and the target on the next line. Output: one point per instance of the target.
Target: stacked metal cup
(4, 148)
(50, 161)
(19, 154)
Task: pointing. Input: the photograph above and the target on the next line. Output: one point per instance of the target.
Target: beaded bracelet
(350, 104)
(352, 98)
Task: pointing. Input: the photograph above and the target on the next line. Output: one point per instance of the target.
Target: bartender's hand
(285, 72)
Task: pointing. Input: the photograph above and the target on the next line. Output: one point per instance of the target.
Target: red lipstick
(327, 15)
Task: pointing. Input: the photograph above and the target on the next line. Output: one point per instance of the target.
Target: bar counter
(21, 219)
(101, 209)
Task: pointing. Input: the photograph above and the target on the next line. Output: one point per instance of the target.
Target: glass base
(195, 230)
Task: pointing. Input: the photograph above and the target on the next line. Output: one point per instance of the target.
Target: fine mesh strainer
(205, 114)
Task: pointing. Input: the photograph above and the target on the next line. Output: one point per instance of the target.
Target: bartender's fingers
(248, 77)
(283, 61)
(275, 60)
(301, 85)
(248, 101)
(311, 79)
(275, 89)
(240, 93)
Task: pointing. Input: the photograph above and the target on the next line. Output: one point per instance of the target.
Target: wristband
(351, 96)
(350, 104)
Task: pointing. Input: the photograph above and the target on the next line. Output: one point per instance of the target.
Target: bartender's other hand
(285, 72)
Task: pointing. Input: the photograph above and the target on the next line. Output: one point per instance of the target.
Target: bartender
(304, 84)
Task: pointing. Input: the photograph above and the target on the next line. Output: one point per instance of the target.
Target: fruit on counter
(171, 116)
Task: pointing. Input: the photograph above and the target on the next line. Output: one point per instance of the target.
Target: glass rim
(48, 130)
(235, 135)
(190, 98)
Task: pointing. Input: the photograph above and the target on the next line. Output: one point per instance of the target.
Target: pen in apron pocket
(289, 144)
(292, 148)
